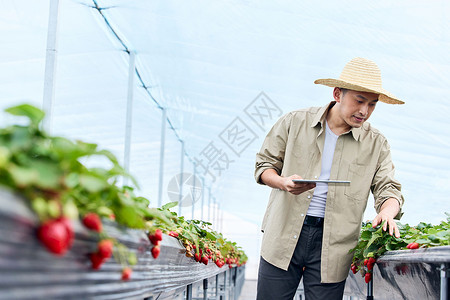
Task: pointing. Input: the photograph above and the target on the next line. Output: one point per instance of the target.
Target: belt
(313, 221)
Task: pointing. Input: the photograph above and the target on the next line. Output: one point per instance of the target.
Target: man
(310, 228)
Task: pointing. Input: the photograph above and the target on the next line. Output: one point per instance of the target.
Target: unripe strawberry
(93, 222)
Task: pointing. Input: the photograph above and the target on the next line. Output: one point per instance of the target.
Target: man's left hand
(389, 210)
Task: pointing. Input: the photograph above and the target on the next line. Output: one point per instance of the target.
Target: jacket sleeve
(271, 155)
(384, 185)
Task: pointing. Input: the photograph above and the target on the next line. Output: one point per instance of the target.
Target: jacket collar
(319, 118)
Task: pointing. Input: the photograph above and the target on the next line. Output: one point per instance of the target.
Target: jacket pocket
(360, 177)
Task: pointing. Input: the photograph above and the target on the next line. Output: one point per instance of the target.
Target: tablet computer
(321, 181)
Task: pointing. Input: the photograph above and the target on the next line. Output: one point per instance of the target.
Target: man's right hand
(272, 179)
(296, 188)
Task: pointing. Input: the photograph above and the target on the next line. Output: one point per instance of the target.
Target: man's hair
(343, 91)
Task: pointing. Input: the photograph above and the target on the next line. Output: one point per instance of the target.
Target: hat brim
(384, 96)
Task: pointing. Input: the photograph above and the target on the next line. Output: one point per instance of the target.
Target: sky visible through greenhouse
(218, 74)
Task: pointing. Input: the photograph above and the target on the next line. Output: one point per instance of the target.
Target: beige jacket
(294, 146)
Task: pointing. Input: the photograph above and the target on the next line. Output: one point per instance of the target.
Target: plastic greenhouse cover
(214, 65)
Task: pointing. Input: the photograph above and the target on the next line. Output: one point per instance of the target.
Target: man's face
(355, 107)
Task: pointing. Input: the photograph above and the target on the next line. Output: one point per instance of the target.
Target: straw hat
(361, 74)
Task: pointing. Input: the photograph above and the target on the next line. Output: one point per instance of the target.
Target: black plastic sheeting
(28, 271)
(406, 274)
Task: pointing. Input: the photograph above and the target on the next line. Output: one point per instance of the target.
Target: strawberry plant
(374, 242)
(50, 173)
(201, 242)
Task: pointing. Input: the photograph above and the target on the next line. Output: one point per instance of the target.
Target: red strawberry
(55, 236)
(205, 260)
(158, 234)
(354, 269)
(219, 263)
(105, 248)
(155, 251)
(413, 246)
(368, 277)
(366, 261)
(370, 263)
(155, 237)
(97, 260)
(93, 222)
(126, 273)
(173, 233)
(197, 257)
(69, 228)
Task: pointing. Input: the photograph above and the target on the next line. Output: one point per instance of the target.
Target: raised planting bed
(405, 274)
(29, 271)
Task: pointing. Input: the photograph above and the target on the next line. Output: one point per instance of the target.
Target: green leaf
(72, 180)
(128, 216)
(20, 139)
(142, 202)
(49, 173)
(23, 176)
(92, 183)
(423, 241)
(366, 235)
(374, 237)
(169, 205)
(33, 113)
(433, 238)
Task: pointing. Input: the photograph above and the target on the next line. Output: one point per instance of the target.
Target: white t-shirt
(319, 199)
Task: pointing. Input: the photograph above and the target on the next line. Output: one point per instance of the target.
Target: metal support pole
(180, 199)
(205, 289)
(214, 213)
(219, 218)
(50, 64)
(225, 282)
(161, 156)
(209, 204)
(234, 283)
(444, 283)
(370, 290)
(194, 190)
(203, 197)
(181, 178)
(189, 292)
(217, 285)
(129, 119)
(230, 281)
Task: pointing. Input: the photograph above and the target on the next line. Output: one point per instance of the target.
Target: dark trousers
(277, 284)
